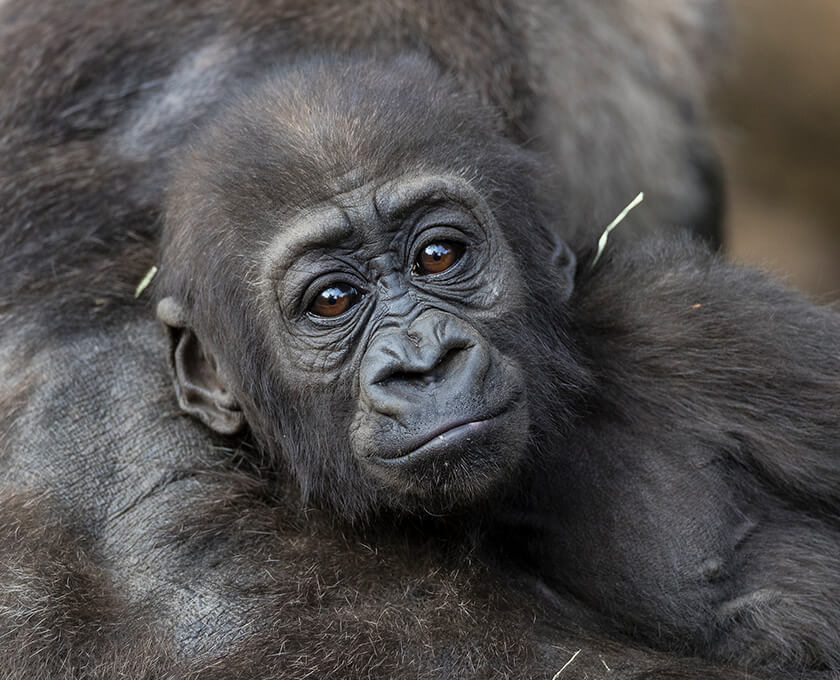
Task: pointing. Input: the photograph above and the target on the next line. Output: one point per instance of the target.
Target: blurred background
(777, 121)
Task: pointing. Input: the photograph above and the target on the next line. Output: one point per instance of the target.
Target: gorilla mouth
(446, 438)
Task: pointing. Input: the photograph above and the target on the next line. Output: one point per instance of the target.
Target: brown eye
(334, 300)
(437, 257)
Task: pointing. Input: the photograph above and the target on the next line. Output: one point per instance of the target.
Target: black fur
(696, 499)
(98, 96)
(133, 543)
(683, 413)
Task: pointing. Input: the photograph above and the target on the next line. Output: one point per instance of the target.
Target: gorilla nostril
(449, 363)
(408, 378)
(446, 364)
(435, 357)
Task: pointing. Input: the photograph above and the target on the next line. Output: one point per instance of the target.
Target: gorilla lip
(445, 437)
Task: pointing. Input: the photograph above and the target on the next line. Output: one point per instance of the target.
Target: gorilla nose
(437, 359)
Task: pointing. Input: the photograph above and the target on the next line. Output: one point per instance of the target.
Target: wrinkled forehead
(371, 212)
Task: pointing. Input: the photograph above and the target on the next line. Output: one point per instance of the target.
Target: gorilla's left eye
(334, 300)
(437, 257)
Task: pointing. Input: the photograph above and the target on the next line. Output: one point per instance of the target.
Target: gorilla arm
(705, 462)
(724, 350)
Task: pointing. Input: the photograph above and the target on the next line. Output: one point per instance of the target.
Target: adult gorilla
(99, 94)
(135, 543)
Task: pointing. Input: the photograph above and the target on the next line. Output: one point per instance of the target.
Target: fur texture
(132, 543)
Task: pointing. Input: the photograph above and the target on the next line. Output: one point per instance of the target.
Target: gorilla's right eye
(334, 300)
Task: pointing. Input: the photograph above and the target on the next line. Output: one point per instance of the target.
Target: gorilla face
(356, 303)
(384, 289)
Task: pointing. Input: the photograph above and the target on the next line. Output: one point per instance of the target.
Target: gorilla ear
(200, 389)
(564, 261)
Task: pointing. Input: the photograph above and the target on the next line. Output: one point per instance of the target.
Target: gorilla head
(356, 265)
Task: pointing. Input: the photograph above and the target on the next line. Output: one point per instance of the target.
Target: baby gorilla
(336, 273)
(356, 263)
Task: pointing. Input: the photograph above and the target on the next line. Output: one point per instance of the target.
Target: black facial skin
(425, 408)
(397, 325)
